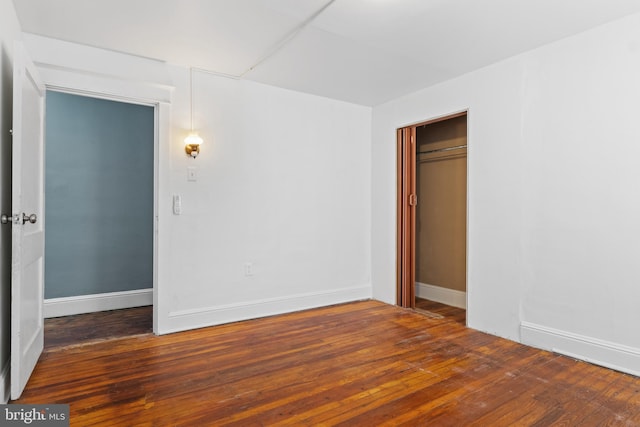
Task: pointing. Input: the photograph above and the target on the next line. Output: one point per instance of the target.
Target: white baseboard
(599, 352)
(182, 320)
(56, 307)
(442, 295)
(5, 384)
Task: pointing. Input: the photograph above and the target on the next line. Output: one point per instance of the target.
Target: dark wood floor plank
(364, 363)
(81, 329)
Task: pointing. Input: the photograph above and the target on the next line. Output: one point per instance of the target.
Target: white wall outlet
(248, 269)
(192, 173)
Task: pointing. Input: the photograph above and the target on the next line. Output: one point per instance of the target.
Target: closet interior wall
(441, 215)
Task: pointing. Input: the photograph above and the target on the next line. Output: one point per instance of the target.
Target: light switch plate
(177, 204)
(192, 173)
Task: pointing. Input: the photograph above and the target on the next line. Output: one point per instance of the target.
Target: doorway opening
(99, 210)
(432, 215)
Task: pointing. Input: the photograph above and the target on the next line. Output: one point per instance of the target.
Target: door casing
(406, 203)
(160, 116)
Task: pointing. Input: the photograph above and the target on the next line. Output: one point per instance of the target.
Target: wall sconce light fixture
(193, 141)
(192, 144)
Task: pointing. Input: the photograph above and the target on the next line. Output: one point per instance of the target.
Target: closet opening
(432, 216)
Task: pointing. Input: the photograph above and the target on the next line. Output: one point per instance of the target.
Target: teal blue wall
(98, 196)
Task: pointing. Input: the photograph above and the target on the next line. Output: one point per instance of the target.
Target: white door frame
(434, 119)
(156, 108)
(80, 83)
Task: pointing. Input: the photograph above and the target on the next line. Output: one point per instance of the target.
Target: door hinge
(413, 200)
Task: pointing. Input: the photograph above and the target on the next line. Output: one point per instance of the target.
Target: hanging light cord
(191, 95)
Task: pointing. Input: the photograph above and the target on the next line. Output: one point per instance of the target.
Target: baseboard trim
(441, 295)
(182, 320)
(599, 352)
(5, 384)
(67, 306)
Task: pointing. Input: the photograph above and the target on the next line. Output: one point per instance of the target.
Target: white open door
(27, 266)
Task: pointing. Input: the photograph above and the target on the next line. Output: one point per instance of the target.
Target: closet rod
(439, 150)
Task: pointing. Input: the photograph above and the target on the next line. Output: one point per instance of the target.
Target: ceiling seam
(287, 38)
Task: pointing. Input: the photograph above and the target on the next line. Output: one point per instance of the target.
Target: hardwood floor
(358, 364)
(83, 329)
(458, 315)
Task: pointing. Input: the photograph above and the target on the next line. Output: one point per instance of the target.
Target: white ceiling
(361, 51)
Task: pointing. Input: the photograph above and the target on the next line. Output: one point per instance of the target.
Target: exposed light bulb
(193, 139)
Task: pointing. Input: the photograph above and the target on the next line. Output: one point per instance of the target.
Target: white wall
(283, 183)
(491, 96)
(553, 193)
(581, 187)
(9, 33)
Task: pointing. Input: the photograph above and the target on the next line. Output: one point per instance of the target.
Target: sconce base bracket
(192, 150)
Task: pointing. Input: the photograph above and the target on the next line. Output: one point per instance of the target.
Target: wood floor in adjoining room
(357, 364)
(428, 307)
(83, 329)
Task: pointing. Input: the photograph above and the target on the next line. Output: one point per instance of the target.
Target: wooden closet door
(406, 203)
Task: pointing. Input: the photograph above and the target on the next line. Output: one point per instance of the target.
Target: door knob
(29, 218)
(7, 219)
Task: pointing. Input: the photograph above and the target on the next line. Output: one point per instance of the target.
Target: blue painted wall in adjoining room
(98, 196)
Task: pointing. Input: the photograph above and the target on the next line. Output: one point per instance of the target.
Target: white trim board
(5, 383)
(441, 295)
(599, 352)
(67, 306)
(182, 320)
